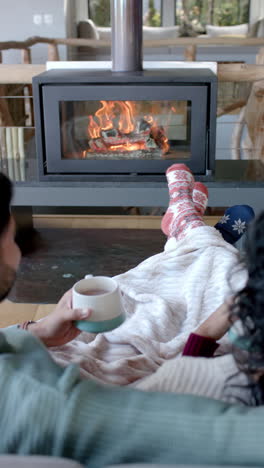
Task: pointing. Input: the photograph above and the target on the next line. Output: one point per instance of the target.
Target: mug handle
(88, 276)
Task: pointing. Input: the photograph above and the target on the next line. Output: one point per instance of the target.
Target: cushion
(87, 30)
(240, 30)
(152, 33)
(104, 33)
(149, 33)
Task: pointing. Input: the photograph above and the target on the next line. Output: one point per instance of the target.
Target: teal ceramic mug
(102, 295)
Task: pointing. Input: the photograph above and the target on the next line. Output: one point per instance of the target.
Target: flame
(128, 147)
(105, 115)
(126, 122)
(166, 145)
(159, 135)
(119, 116)
(94, 129)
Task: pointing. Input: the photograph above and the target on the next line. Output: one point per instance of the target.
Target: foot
(181, 214)
(179, 179)
(234, 223)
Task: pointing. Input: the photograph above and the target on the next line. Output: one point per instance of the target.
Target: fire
(115, 128)
(93, 128)
(128, 147)
(160, 136)
(105, 115)
(126, 122)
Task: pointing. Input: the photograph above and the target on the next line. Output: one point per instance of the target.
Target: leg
(234, 223)
(183, 214)
(200, 197)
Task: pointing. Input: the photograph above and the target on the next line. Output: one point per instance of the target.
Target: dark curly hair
(248, 307)
(6, 193)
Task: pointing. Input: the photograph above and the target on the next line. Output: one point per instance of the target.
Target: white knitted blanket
(165, 298)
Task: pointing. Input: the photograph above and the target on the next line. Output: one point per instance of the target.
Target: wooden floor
(12, 313)
(105, 221)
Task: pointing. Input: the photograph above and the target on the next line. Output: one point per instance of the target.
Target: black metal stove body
(109, 125)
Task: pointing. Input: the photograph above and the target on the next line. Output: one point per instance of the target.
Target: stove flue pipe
(126, 19)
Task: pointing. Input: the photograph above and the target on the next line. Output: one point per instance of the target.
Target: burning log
(97, 145)
(159, 136)
(114, 129)
(112, 133)
(143, 126)
(122, 143)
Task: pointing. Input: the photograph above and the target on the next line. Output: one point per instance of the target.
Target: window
(217, 12)
(99, 12)
(152, 12)
(196, 13)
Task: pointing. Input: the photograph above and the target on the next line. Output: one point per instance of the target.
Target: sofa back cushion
(87, 30)
(149, 33)
(157, 33)
(105, 33)
(218, 31)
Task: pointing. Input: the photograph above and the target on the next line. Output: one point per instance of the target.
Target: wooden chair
(252, 118)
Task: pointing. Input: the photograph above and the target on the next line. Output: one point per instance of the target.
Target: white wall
(17, 23)
(256, 10)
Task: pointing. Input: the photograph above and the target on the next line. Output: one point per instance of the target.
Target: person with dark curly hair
(243, 318)
(246, 313)
(226, 377)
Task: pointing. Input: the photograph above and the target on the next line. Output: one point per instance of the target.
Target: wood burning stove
(110, 123)
(127, 122)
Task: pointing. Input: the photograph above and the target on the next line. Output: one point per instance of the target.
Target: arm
(199, 346)
(203, 341)
(48, 410)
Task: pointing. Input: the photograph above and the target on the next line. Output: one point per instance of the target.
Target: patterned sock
(235, 222)
(181, 215)
(200, 197)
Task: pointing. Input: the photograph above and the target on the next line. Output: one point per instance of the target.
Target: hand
(58, 327)
(217, 324)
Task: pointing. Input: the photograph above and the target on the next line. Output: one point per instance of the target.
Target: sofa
(239, 30)
(86, 29)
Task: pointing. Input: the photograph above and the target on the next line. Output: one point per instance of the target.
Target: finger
(79, 314)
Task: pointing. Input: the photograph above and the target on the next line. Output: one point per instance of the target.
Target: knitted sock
(234, 223)
(181, 215)
(200, 197)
